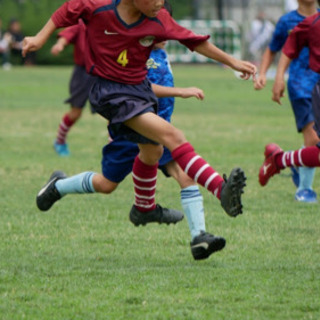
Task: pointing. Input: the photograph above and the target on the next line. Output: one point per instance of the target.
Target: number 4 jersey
(115, 50)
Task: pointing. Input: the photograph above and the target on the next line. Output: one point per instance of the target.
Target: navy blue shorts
(118, 102)
(118, 157)
(303, 113)
(316, 107)
(79, 87)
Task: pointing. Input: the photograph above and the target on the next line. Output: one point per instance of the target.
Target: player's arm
(59, 46)
(279, 82)
(297, 40)
(267, 59)
(162, 92)
(36, 42)
(211, 51)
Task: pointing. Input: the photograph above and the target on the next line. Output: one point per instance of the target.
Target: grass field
(84, 260)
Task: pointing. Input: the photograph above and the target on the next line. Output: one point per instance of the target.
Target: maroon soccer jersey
(305, 34)
(118, 51)
(76, 35)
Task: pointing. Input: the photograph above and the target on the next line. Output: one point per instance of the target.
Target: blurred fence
(226, 35)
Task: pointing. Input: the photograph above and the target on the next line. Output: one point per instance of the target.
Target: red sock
(197, 168)
(306, 157)
(144, 179)
(64, 126)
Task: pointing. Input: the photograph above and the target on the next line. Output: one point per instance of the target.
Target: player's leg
(305, 192)
(144, 174)
(304, 117)
(276, 160)
(79, 87)
(67, 121)
(202, 244)
(117, 159)
(59, 185)
(228, 191)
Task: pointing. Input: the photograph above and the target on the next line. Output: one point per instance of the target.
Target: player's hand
(56, 49)
(278, 90)
(30, 44)
(246, 68)
(191, 92)
(260, 82)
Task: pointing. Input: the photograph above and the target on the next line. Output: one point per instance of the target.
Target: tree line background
(33, 14)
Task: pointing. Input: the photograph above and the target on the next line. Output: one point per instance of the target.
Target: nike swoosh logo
(265, 168)
(203, 245)
(45, 187)
(109, 32)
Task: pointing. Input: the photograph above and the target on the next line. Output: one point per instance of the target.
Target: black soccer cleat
(205, 244)
(159, 214)
(49, 194)
(231, 192)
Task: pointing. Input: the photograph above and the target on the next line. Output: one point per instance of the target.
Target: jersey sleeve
(71, 11)
(298, 39)
(279, 36)
(173, 31)
(70, 33)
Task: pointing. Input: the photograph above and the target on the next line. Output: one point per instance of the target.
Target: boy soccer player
(80, 82)
(121, 34)
(300, 84)
(305, 34)
(119, 155)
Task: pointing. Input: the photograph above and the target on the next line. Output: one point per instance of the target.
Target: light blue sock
(192, 204)
(306, 176)
(80, 183)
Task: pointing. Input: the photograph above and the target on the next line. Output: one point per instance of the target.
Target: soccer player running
(300, 84)
(305, 34)
(80, 82)
(119, 155)
(121, 35)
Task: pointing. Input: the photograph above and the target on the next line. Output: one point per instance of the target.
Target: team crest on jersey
(151, 64)
(147, 41)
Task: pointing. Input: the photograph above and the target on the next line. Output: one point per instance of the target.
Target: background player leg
(276, 160)
(305, 193)
(67, 121)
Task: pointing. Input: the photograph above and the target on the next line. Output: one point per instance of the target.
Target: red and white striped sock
(64, 127)
(197, 168)
(144, 179)
(306, 157)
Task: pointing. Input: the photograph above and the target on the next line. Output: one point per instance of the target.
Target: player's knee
(174, 138)
(150, 154)
(103, 185)
(75, 114)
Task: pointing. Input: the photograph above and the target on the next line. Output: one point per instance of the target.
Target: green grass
(84, 260)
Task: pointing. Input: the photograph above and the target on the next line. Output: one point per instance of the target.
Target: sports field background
(84, 260)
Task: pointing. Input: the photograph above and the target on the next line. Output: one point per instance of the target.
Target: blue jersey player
(300, 84)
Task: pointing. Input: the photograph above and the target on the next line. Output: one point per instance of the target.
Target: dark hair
(168, 6)
(13, 20)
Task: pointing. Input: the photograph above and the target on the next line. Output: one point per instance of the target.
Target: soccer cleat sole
(235, 183)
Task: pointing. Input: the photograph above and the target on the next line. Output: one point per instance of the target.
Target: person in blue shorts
(300, 84)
